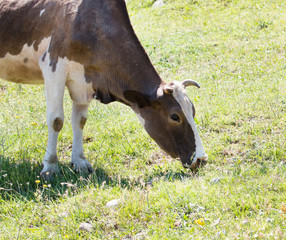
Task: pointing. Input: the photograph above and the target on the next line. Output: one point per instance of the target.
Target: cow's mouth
(195, 162)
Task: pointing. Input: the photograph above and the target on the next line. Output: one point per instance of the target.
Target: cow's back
(24, 22)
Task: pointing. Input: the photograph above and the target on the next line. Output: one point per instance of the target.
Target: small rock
(199, 208)
(86, 227)
(223, 232)
(64, 214)
(113, 203)
(192, 205)
(52, 235)
(196, 207)
(216, 222)
(139, 236)
(178, 223)
(150, 183)
(158, 3)
(245, 221)
(215, 181)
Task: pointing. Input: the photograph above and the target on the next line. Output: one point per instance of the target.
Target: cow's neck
(118, 61)
(128, 69)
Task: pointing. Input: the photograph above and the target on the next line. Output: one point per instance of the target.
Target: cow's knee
(58, 124)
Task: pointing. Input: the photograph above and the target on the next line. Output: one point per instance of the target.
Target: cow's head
(168, 117)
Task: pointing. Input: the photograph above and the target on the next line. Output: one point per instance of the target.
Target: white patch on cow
(42, 11)
(24, 67)
(181, 97)
(80, 91)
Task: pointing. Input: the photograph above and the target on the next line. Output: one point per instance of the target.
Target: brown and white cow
(90, 47)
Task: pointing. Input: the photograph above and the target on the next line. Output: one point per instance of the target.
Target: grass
(236, 51)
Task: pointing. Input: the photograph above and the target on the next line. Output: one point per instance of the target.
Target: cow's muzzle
(197, 161)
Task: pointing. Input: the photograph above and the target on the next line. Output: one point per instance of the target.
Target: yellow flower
(200, 221)
(45, 185)
(37, 181)
(34, 123)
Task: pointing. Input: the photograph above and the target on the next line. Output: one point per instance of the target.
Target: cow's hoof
(47, 176)
(49, 172)
(82, 166)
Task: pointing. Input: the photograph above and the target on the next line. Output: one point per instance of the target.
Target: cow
(90, 47)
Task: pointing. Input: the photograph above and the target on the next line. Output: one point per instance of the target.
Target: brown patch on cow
(82, 122)
(58, 124)
(53, 159)
(81, 156)
(26, 60)
(108, 48)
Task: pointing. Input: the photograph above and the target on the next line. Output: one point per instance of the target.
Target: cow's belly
(24, 67)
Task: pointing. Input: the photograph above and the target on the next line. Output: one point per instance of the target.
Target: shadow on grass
(20, 179)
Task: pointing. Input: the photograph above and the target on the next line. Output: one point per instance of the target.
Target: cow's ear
(142, 100)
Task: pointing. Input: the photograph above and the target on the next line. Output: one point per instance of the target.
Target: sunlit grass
(236, 51)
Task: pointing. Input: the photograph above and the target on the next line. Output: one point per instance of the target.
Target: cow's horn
(189, 82)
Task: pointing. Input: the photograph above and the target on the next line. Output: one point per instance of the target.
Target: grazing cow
(90, 47)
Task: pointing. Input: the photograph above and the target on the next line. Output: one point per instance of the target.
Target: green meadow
(236, 50)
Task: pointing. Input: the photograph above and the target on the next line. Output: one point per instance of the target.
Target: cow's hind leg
(54, 86)
(79, 118)
(81, 94)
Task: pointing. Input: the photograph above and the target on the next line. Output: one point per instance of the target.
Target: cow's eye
(175, 117)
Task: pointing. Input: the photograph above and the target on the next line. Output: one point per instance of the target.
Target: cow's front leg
(79, 118)
(50, 162)
(54, 87)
